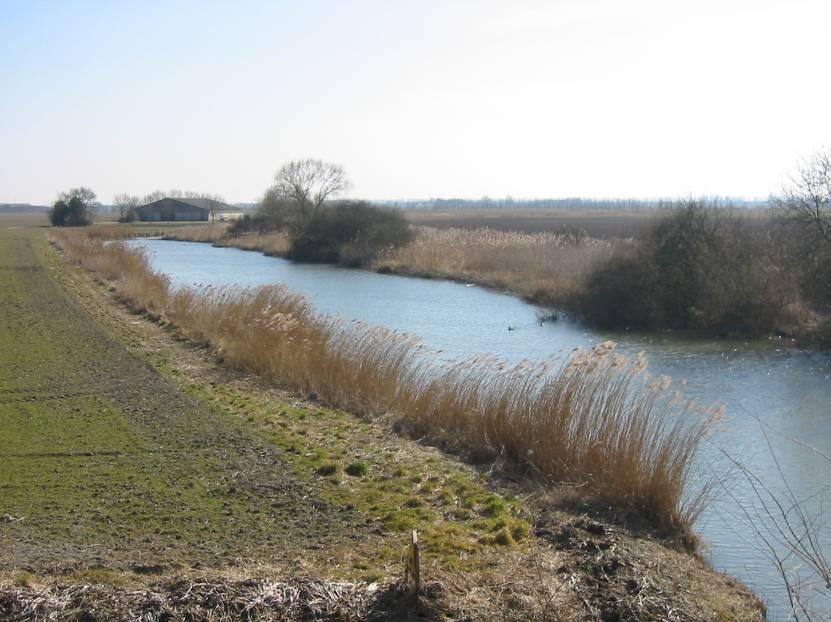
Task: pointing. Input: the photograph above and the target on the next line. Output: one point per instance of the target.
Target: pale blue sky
(415, 99)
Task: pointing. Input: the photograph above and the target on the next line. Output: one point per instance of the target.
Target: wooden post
(412, 566)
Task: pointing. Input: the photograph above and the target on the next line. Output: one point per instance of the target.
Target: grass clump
(327, 469)
(356, 469)
(503, 537)
(24, 579)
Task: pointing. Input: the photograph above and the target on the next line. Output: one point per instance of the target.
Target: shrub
(131, 215)
(701, 266)
(73, 212)
(327, 469)
(73, 207)
(352, 233)
(274, 214)
(357, 469)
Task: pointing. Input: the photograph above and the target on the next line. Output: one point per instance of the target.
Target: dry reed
(599, 419)
(197, 233)
(275, 243)
(549, 267)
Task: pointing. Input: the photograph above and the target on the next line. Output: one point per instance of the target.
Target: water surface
(761, 383)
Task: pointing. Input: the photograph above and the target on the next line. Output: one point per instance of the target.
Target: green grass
(399, 485)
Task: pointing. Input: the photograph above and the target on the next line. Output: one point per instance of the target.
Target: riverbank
(583, 546)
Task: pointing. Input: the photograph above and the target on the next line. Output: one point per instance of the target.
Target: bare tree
(156, 195)
(309, 182)
(806, 199)
(125, 204)
(86, 195)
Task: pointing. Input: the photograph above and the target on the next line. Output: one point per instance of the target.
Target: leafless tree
(86, 195)
(175, 193)
(309, 182)
(150, 197)
(125, 204)
(806, 199)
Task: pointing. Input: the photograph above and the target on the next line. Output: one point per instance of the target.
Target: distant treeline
(22, 208)
(564, 203)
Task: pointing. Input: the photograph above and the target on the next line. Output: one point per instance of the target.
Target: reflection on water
(762, 382)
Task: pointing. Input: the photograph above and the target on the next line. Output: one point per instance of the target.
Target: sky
(415, 99)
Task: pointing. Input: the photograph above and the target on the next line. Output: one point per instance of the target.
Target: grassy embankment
(137, 472)
(124, 473)
(117, 472)
(598, 420)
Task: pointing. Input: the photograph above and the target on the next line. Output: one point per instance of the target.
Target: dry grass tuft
(599, 419)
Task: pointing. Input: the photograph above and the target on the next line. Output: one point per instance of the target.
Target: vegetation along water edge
(513, 528)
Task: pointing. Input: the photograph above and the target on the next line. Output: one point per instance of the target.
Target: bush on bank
(73, 208)
(700, 267)
(349, 232)
(352, 233)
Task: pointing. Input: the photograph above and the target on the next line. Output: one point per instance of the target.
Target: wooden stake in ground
(412, 566)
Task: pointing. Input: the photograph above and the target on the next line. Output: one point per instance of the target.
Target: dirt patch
(621, 578)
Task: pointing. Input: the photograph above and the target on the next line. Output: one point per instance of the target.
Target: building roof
(205, 204)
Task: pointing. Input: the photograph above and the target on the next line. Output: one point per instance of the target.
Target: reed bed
(598, 420)
(275, 243)
(198, 233)
(548, 267)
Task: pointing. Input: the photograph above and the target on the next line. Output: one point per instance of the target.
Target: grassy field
(140, 473)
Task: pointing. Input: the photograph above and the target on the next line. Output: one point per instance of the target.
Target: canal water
(776, 397)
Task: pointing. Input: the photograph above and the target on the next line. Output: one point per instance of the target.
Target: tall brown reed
(598, 419)
(213, 232)
(275, 243)
(549, 267)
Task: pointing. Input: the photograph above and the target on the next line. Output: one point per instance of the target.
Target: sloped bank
(590, 549)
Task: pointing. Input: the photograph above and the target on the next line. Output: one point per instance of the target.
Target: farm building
(182, 209)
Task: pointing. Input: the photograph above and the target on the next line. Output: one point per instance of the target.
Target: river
(770, 389)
